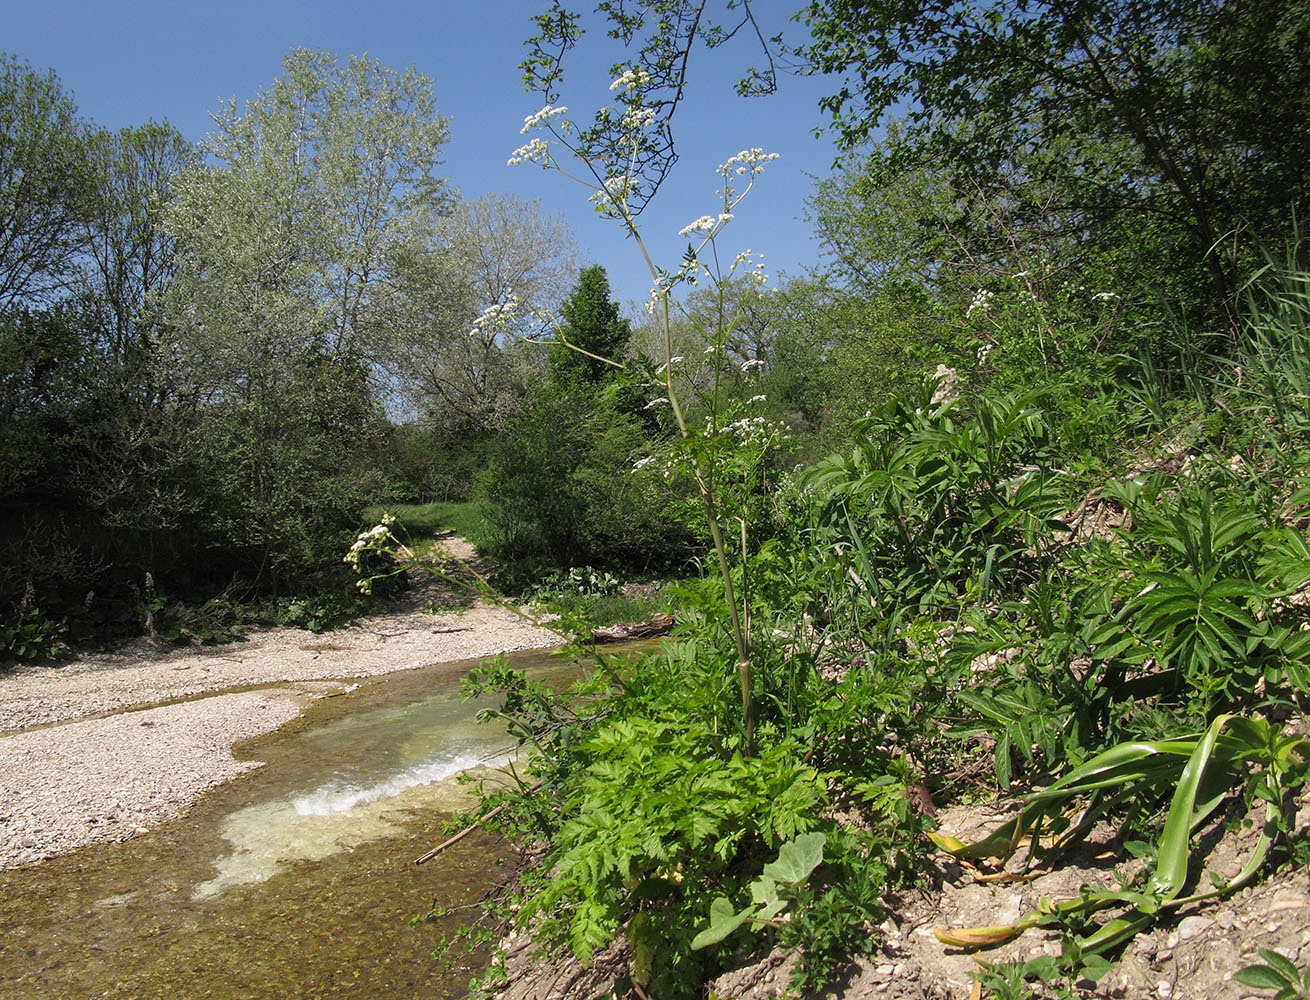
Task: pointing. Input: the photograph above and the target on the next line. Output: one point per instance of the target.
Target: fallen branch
(657, 626)
(469, 829)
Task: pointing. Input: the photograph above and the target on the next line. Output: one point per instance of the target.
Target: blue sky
(128, 61)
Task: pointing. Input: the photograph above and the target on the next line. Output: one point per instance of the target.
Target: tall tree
(591, 332)
(470, 374)
(1177, 123)
(289, 233)
(46, 184)
(131, 258)
(1184, 122)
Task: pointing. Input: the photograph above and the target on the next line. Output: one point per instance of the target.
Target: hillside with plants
(1056, 560)
(1001, 512)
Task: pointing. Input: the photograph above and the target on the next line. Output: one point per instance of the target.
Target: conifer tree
(590, 323)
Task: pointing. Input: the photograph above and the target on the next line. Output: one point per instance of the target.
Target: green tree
(287, 235)
(461, 372)
(592, 335)
(46, 185)
(1179, 122)
(130, 257)
(289, 232)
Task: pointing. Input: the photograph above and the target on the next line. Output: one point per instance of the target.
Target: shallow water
(294, 881)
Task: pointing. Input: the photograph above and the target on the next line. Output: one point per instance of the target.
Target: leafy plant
(29, 636)
(770, 893)
(1197, 774)
(1276, 973)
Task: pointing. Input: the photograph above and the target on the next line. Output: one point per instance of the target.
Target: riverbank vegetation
(1058, 550)
(1008, 496)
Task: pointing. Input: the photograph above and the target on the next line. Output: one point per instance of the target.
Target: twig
(470, 828)
(443, 631)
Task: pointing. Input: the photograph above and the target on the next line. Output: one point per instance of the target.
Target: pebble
(1192, 926)
(1164, 990)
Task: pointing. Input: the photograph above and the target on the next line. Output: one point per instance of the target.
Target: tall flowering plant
(730, 441)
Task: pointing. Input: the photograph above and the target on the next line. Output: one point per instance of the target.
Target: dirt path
(103, 747)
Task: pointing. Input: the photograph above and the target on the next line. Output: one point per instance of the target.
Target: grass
(419, 522)
(598, 610)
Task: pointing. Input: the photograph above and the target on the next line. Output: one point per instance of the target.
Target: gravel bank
(88, 753)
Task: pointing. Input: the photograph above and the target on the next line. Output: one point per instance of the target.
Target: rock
(1192, 926)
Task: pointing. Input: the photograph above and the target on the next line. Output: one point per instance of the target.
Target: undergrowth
(956, 580)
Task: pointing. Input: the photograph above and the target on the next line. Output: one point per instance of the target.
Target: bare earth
(103, 747)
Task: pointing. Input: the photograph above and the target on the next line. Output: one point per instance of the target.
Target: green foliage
(47, 186)
(770, 893)
(591, 333)
(562, 488)
(1277, 973)
(30, 636)
(1197, 773)
(1054, 111)
(936, 500)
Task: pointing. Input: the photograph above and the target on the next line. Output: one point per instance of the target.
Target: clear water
(296, 880)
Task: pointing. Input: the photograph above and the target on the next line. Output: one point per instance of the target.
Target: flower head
(538, 118)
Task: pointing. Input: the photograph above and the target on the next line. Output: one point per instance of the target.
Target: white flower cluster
(1104, 296)
(539, 118)
(984, 351)
(752, 363)
(756, 273)
(980, 302)
(614, 194)
(658, 401)
(366, 539)
(535, 151)
(637, 117)
(641, 463)
(707, 224)
(496, 317)
(754, 432)
(748, 161)
(630, 79)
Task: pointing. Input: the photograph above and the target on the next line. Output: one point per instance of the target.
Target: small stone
(1164, 990)
(1010, 909)
(1190, 927)
(1225, 919)
(1172, 940)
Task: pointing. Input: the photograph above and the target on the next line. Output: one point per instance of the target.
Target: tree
(130, 257)
(289, 235)
(46, 185)
(1183, 121)
(591, 333)
(468, 374)
(1103, 122)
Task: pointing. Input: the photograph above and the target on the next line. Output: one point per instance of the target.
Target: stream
(296, 880)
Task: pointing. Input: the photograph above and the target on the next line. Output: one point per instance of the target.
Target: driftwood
(657, 626)
(469, 829)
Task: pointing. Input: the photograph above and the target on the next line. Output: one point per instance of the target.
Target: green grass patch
(598, 610)
(418, 523)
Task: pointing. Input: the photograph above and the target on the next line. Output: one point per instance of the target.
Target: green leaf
(1280, 964)
(723, 921)
(1260, 977)
(797, 859)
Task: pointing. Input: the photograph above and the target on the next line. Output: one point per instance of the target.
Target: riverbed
(296, 879)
